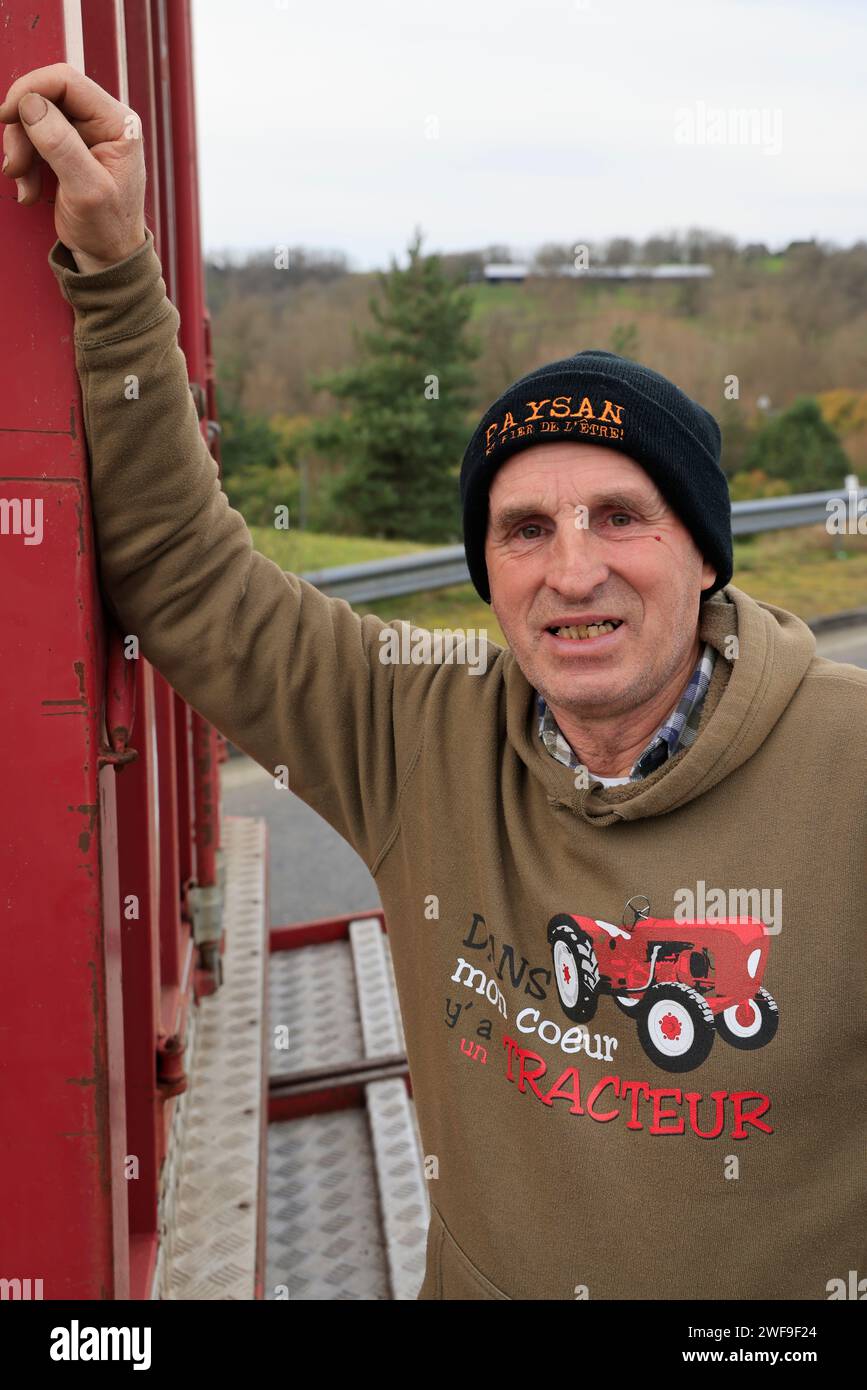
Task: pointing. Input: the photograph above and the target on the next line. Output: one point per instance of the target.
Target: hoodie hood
(746, 698)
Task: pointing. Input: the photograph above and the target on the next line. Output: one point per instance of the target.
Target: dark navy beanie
(599, 398)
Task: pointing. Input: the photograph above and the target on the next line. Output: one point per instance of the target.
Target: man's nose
(576, 559)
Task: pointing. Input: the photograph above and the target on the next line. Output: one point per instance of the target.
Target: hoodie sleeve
(292, 677)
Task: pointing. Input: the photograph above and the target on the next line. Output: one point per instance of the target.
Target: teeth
(591, 630)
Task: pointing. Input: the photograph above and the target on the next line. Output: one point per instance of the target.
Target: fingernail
(5, 162)
(32, 107)
(22, 191)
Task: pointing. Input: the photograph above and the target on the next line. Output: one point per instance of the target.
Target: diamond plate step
(351, 983)
(208, 1216)
(324, 1226)
(381, 1028)
(347, 1210)
(307, 985)
(402, 1190)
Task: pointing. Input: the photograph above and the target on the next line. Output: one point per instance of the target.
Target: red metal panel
(105, 45)
(139, 858)
(186, 849)
(164, 231)
(139, 878)
(172, 947)
(143, 97)
(94, 991)
(159, 155)
(61, 1064)
(190, 302)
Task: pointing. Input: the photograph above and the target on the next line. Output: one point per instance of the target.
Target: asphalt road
(314, 873)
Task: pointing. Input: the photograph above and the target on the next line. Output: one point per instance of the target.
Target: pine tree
(800, 447)
(403, 429)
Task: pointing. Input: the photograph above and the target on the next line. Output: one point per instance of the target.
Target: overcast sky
(346, 123)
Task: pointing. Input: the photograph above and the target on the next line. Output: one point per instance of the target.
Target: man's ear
(708, 575)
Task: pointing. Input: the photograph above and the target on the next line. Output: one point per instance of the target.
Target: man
(656, 829)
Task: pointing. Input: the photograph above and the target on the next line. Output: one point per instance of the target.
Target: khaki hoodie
(704, 1137)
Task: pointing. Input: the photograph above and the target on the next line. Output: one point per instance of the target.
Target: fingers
(97, 115)
(61, 147)
(18, 152)
(22, 163)
(30, 185)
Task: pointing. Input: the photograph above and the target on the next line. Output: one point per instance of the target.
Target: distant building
(674, 271)
(505, 272)
(514, 273)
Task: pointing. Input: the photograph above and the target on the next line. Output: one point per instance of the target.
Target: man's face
(577, 531)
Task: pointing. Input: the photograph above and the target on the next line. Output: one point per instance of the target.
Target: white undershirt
(609, 781)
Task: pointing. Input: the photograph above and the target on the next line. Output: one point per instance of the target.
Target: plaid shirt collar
(678, 731)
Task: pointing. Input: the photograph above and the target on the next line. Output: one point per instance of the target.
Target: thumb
(60, 145)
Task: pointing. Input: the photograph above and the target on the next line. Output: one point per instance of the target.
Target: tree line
(349, 398)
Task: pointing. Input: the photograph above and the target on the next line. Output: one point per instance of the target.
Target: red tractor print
(682, 982)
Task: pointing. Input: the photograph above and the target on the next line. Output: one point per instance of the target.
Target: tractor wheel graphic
(751, 1024)
(576, 969)
(675, 1027)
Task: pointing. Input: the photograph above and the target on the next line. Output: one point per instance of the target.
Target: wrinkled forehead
(578, 472)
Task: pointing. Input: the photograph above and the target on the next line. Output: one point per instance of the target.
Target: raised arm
(292, 677)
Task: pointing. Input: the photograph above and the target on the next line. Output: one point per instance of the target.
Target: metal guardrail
(402, 574)
(438, 569)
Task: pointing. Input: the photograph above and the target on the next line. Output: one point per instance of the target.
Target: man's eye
(528, 526)
(616, 514)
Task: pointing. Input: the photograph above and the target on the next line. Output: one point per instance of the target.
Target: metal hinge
(206, 910)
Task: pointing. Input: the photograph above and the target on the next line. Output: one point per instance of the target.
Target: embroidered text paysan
(559, 418)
